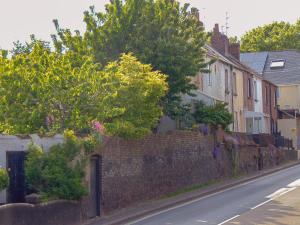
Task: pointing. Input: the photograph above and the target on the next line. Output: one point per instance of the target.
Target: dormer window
(277, 64)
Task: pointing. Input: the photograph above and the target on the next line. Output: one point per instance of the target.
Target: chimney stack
(234, 50)
(220, 41)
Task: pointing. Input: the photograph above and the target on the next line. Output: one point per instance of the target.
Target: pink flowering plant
(96, 137)
(98, 127)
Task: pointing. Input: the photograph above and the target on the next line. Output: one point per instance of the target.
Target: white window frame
(275, 64)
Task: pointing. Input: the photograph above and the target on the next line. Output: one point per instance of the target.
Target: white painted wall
(217, 87)
(14, 143)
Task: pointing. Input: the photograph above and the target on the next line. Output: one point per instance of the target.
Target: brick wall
(269, 101)
(135, 171)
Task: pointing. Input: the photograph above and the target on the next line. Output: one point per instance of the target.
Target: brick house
(256, 111)
(283, 69)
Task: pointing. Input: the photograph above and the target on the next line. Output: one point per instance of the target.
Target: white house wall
(14, 143)
(217, 87)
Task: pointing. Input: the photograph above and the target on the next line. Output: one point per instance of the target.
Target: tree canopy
(274, 36)
(49, 91)
(162, 33)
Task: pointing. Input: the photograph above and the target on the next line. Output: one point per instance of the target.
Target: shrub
(33, 167)
(4, 179)
(213, 115)
(57, 174)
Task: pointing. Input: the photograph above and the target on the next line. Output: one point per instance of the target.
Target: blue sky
(20, 18)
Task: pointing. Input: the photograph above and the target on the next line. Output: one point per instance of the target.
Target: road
(228, 205)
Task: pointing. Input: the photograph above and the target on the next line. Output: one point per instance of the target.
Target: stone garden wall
(52, 213)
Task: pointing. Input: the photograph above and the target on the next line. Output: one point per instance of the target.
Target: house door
(15, 166)
(95, 186)
(249, 125)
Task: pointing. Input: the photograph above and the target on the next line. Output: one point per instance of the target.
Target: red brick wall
(269, 103)
(219, 41)
(234, 50)
(136, 171)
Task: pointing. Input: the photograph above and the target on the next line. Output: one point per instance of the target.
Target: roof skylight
(277, 64)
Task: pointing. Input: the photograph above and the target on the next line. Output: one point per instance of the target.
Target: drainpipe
(270, 101)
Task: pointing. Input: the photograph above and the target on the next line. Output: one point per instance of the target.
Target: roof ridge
(284, 50)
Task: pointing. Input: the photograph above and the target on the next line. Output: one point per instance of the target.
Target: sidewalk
(125, 215)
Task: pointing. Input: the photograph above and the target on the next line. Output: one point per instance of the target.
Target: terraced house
(250, 97)
(283, 69)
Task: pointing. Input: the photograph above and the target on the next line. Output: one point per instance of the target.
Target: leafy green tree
(213, 115)
(162, 33)
(274, 36)
(4, 179)
(27, 47)
(45, 91)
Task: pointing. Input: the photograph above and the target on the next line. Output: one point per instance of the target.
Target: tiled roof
(290, 73)
(255, 60)
(227, 59)
(261, 61)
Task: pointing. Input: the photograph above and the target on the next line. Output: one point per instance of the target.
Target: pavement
(222, 203)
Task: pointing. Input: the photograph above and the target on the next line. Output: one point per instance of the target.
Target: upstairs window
(277, 93)
(277, 64)
(226, 82)
(255, 91)
(234, 84)
(249, 87)
(209, 77)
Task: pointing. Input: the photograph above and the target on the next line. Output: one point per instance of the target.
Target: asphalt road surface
(228, 205)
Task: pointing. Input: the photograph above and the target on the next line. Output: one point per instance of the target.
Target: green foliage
(274, 36)
(161, 33)
(57, 174)
(27, 47)
(33, 167)
(4, 179)
(213, 115)
(42, 91)
(234, 40)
